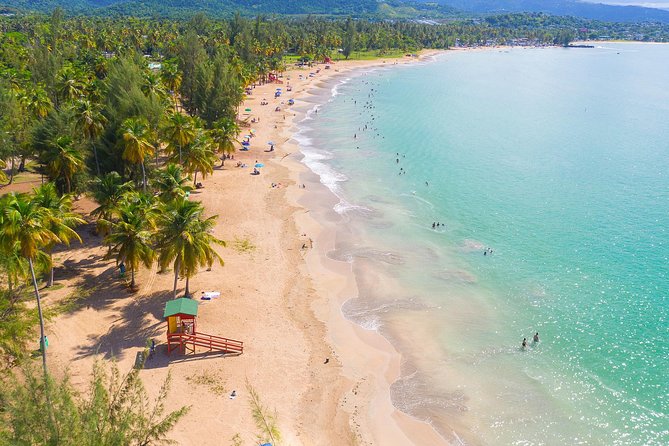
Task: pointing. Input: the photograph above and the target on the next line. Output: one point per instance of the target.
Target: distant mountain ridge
(358, 8)
(596, 11)
(210, 7)
(219, 8)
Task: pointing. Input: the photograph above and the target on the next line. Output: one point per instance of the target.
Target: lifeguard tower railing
(188, 341)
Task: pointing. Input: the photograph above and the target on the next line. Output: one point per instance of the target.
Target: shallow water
(557, 160)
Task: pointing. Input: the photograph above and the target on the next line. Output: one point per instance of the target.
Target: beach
(326, 379)
(365, 323)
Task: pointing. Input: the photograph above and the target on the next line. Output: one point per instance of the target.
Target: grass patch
(375, 54)
(243, 245)
(212, 381)
(54, 287)
(70, 303)
(25, 177)
(291, 59)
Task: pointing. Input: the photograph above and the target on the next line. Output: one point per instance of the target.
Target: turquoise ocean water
(557, 160)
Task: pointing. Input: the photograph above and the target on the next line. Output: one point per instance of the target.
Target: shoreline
(370, 364)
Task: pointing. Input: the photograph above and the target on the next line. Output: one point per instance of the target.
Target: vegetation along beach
(332, 223)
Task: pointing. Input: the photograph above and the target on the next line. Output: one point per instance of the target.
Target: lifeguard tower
(181, 317)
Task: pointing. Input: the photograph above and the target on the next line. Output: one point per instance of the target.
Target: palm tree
(70, 87)
(171, 183)
(200, 156)
(153, 86)
(185, 239)
(171, 78)
(13, 266)
(60, 219)
(37, 102)
(224, 134)
(130, 237)
(178, 131)
(62, 160)
(136, 135)
(23, 226)
(108, 191)
(11, 263)
(3, 176)
(90, 122)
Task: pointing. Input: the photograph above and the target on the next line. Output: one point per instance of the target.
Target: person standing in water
(536, 337)
(524, 344)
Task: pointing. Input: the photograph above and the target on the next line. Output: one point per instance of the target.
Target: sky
(662, 4)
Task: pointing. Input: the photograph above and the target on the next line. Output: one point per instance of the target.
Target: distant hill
(219, 8)
(359, 8)
(608, 13)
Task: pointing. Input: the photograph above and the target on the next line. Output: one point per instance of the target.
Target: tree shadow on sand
(161, 359)
(135, 323)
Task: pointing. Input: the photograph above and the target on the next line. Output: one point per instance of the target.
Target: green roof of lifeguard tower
(181, 306)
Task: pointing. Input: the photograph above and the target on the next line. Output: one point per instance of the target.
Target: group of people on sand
(535, 340)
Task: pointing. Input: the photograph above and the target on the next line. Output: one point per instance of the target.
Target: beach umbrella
(270, 143)
(259, 165)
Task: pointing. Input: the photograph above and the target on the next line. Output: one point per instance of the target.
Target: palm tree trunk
(176, 276)
(69, 186)
(49, 282)
(187, 292)
(143, 178)
(195, 179)
(42, 344)
(97, 164)
(11, 171)
(41, 319)
(132, 277)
